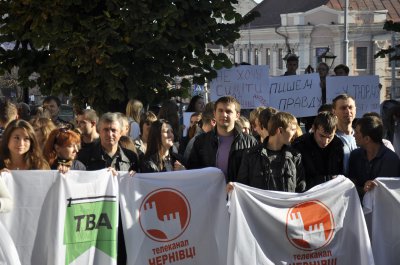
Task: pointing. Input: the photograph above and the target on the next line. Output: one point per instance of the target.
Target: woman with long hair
(159, 156)
(133, 110)
(196, 104)
(61, 150)
(43, 128)
(169, 111)
(20, 149)
(146, 120)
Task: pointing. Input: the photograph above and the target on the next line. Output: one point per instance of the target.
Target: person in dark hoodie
(321, 150)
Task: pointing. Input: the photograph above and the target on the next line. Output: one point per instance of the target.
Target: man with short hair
(106, 152)
(274, 164)
(222, 147)
(207, 124)
(86, 121)
(344, 107)
(321, 150)
(341, 70)
(125, 124)
(255, 122)
(263, 120)
(373, 159)
(52, 105)
(292, 64)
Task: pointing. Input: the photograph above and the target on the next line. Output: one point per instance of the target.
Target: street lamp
(328, 58)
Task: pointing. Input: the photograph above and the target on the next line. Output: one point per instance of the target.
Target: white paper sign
(364, 90)
(298, 94)
(186, 122)
(247, 83)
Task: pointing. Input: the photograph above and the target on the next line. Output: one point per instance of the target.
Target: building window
(280, 59)
(241, 56)
(249, 56)
(256, 57)
(318, 52)
(362, 55)
(268, 56)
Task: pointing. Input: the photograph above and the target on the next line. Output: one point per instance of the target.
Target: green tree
(391, 51)
(112, 50)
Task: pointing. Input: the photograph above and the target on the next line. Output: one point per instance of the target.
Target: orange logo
(310, 225)
(164, 214)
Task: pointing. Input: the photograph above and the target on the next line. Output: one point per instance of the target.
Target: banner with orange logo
(324, 225)
(383, 203)
(176, 217)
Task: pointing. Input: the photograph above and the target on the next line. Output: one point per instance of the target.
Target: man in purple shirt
(222, 147)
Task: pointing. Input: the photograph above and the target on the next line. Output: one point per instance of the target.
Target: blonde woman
(133, 110)
(43, 128)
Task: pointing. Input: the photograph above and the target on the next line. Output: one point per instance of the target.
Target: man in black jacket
(274, 164)
(222, 147)
(106, 152)
(321, 150)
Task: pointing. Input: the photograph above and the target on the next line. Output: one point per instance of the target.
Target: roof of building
(270, 10)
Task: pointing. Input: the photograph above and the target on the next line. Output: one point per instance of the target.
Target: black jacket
(94, 158)
(205, 147)
(149, 164)
(256, 170)
(320, 164)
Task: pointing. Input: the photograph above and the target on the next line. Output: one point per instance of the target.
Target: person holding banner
(274, 164)
(20, 149)
(159, 156)
(61, 150)
(224, 146)
(373, 159)
(292, 63)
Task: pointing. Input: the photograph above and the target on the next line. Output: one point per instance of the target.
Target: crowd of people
(267, 150)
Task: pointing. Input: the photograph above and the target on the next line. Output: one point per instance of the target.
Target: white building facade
(308, 34)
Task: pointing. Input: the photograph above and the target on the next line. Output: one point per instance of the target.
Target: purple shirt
(224, 146)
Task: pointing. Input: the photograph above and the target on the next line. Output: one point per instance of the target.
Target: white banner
(8, 252)
(79, 220)
(383, 202)
(324, 225)
(175, 217)
(247, 83)
(28, 188)
(297, 94)
(364, 90)
(69, 219)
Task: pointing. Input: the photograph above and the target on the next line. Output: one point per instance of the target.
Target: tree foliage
(391, 51)
(103, 50)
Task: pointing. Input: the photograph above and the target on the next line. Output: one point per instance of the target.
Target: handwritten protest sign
(247, 83)
(364, 90)
(298, 94)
